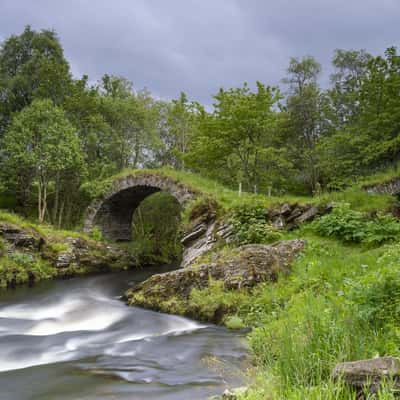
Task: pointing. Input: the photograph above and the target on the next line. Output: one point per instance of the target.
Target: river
(75, 340)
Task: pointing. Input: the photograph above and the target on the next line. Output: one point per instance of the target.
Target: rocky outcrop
(243, 267)
(203, 237)
(205, 230)
(89, 256)
(290, 216)
(21, 238)
(369, 374)
(391, 187)
(231, 394)
(68, 255)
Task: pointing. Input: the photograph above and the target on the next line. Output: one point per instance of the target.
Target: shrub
(251, 226)
(234, 322)
(354, 226)
(96, 234)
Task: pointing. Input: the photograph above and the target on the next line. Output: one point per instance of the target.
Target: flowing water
(76, 340)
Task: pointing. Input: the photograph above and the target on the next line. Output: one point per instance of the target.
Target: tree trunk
(60, 214)
(56, 199)
(42, 198)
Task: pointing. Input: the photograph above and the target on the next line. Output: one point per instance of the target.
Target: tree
(367, 104)
(182, 119)
(32, 65)
(379, 119)
(304, 123)
(43, 145)
(350, 70)
(239, 141)
(131, 116)
(84, 108)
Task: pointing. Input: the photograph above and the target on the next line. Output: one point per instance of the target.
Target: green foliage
(213, 302)
(41, 147)
(378, 294)
(251, 226)
(240, 138)
(58, 247)
(353, 226)
(337, 305)
(32, 66)
(155, 229)
(19, 268)
(302, 121)
(96, 234)
(234, 322)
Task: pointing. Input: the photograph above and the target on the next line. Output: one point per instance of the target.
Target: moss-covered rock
(27, 256)
(242, 267)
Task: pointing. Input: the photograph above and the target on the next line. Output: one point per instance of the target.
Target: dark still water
(75, 340)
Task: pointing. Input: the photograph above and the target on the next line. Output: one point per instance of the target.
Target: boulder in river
(242, 267)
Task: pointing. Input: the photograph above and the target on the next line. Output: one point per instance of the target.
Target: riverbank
(337, 303)
(30, 253)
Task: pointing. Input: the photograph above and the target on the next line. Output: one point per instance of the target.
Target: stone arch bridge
(113, 212)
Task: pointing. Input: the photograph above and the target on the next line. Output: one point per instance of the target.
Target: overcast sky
(200, 45)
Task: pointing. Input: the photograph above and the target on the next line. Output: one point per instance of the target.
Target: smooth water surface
(75, 340)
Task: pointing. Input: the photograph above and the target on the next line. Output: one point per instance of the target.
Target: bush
(251, 226)
(96, 234)
(356, 227)
(234, 322)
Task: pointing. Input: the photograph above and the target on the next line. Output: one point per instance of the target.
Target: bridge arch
(113, 212)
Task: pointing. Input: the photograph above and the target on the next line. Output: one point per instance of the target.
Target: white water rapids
(75, 340)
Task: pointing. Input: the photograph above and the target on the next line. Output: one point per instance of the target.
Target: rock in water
(244, 267)
(369, 373)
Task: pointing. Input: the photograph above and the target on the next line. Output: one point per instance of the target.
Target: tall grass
(322, 314)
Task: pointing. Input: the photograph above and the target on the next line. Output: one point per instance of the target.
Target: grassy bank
(31, 252)
(341, 302)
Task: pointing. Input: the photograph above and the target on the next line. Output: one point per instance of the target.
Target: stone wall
(391, 187)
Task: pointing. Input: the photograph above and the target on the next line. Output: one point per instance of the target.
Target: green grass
(358, 199)
(229, 199)
(326, 311)
(381, 176)
(46, 230)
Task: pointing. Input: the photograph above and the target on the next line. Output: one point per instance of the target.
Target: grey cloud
(200, 45)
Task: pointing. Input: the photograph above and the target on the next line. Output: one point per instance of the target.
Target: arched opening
(114, 217)
(156, 237)
(145, 220)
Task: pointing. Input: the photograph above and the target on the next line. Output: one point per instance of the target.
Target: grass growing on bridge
(228, 198)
